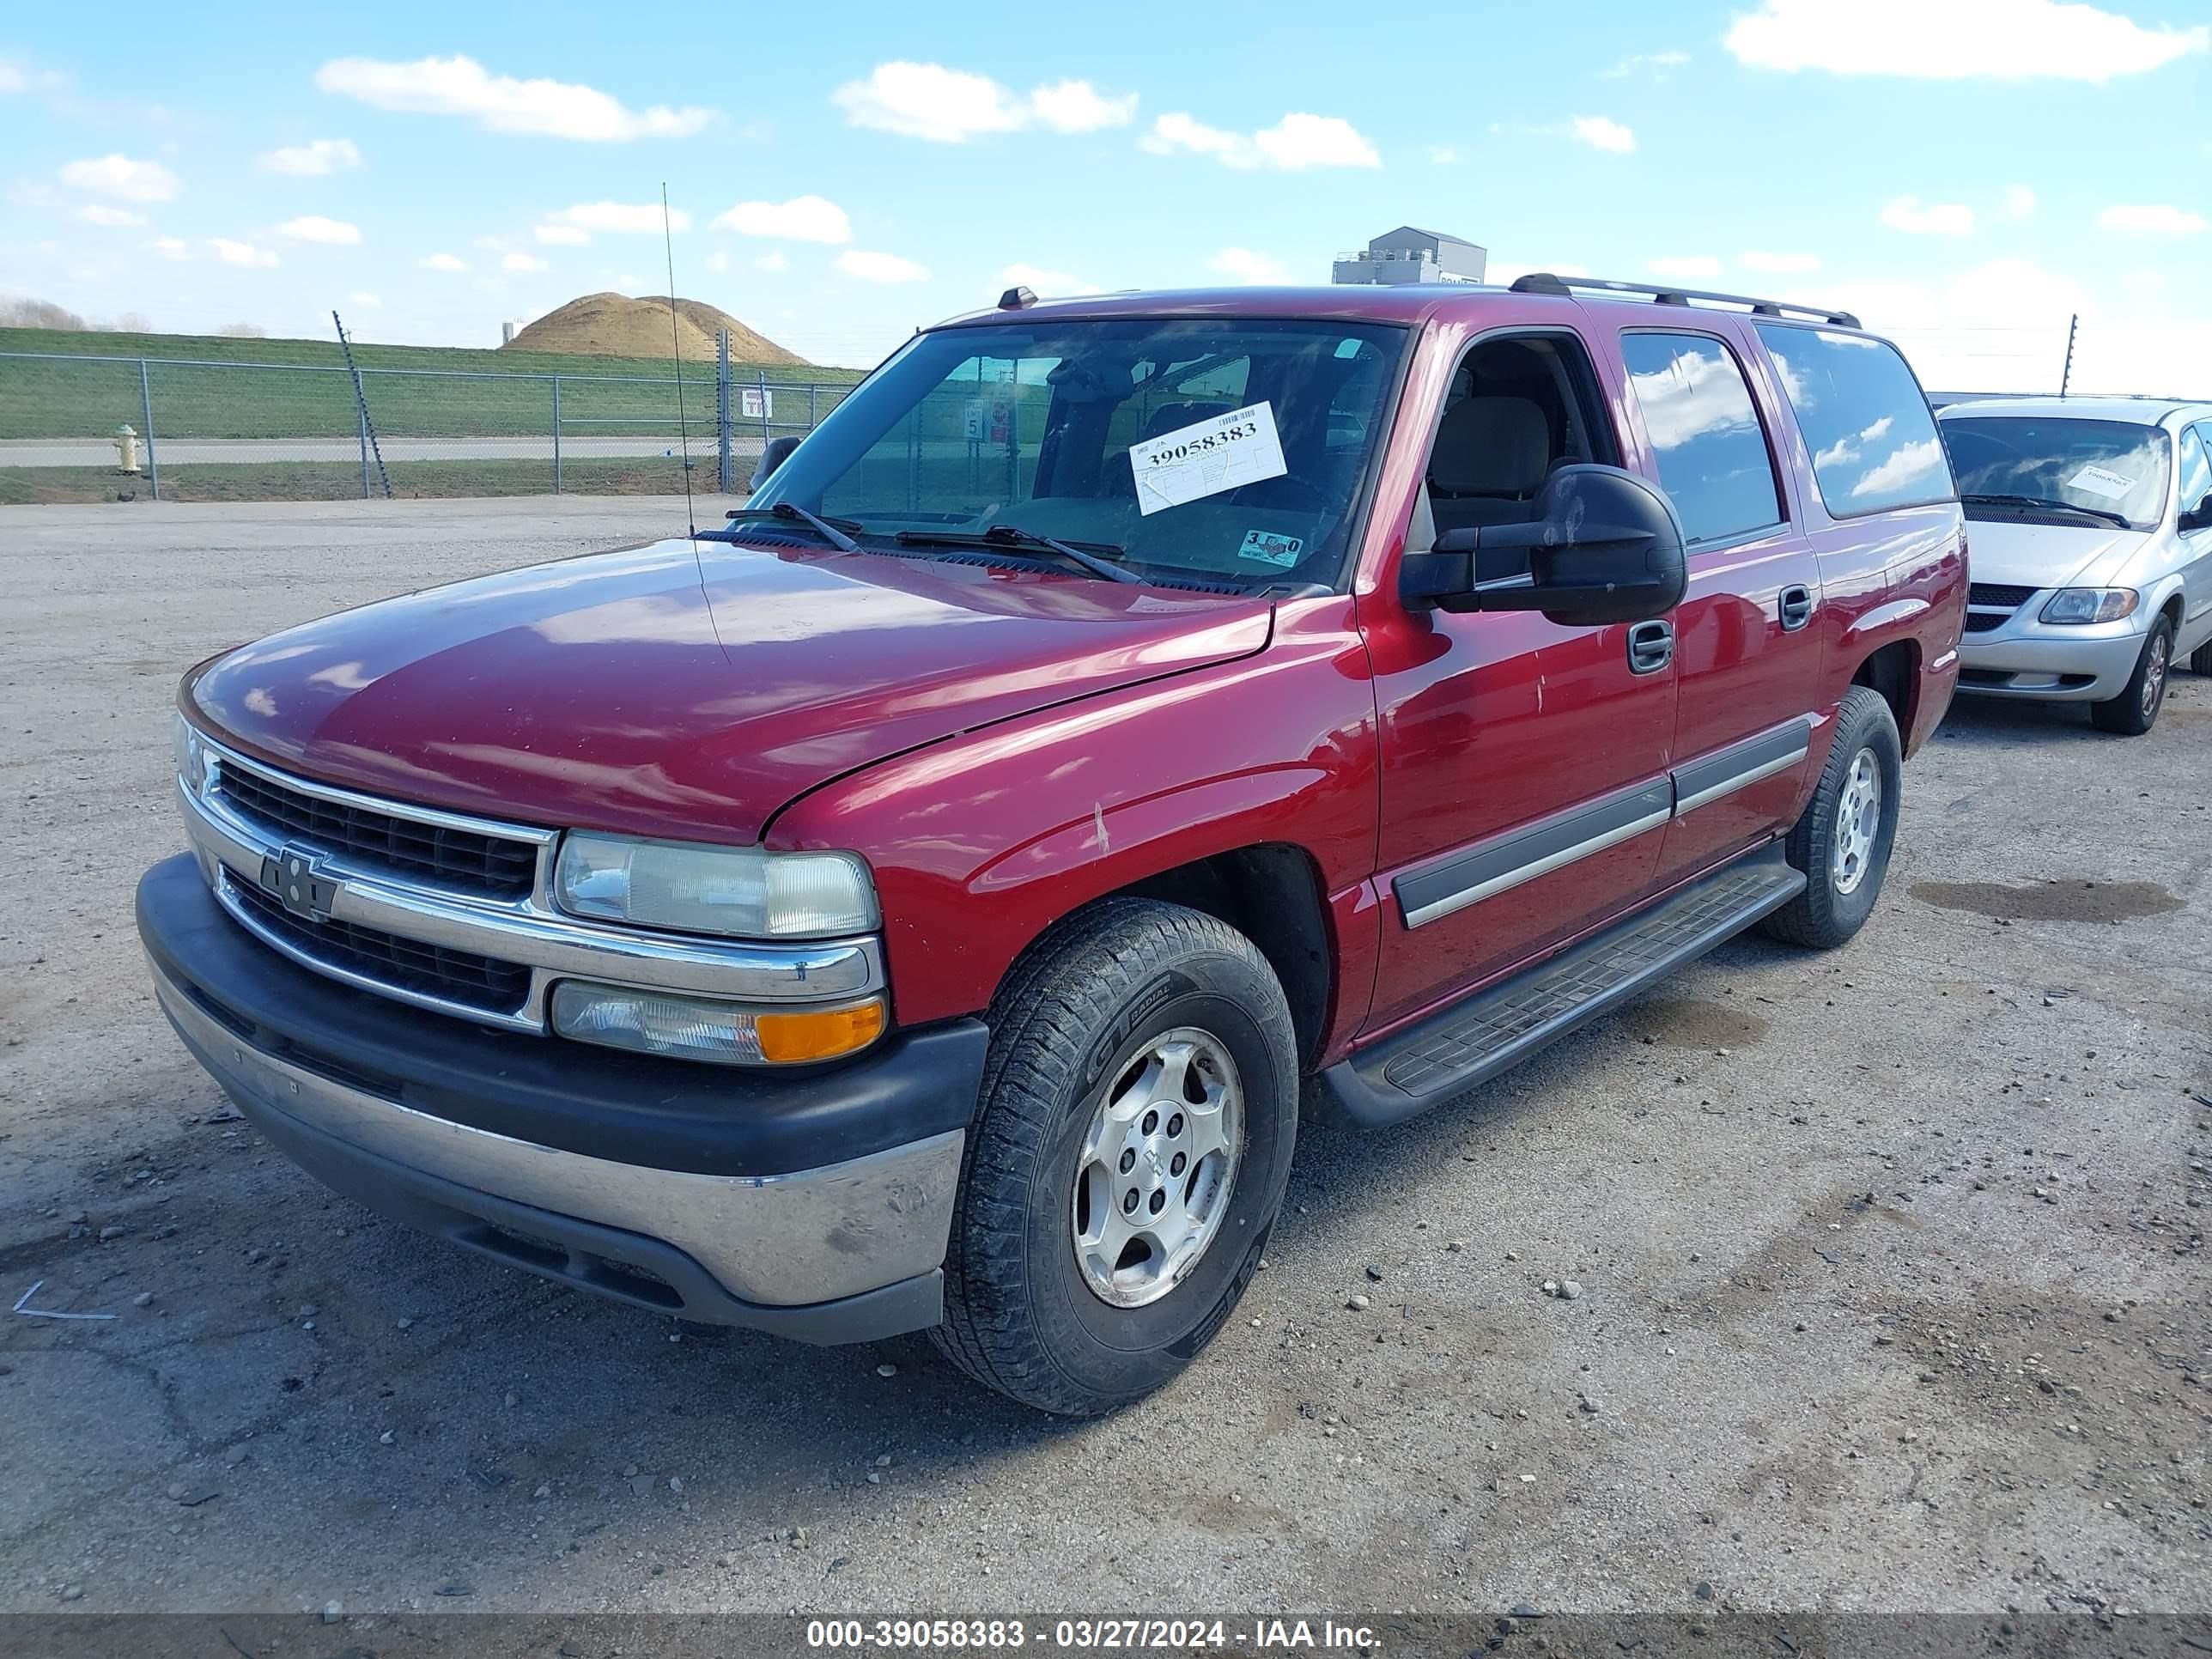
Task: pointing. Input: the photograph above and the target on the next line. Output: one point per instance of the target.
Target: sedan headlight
(688, 887)
(190, 755)
(2081, 605)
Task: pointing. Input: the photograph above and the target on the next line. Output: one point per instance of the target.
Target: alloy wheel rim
(1858, 821)
(2154, 689)
(1158, 1165)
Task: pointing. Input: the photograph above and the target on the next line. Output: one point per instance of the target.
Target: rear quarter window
(1864, 417)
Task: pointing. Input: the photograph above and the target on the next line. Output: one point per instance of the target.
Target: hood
(2019, 555)
(690, 690)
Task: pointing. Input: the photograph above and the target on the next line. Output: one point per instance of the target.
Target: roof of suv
(1404, 303)
(2133, 411)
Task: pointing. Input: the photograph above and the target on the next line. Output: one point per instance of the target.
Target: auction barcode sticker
(1207, 458)
(2101, 481)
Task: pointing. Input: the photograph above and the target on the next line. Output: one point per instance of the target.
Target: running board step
(1472, 1041)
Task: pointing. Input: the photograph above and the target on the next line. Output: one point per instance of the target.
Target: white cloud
(523, 262)
(501, 103)
(1956, 40)
(121, 176)
(950, 106)
(1778, 264)
(802, 219)
(2017, 205)
(13, 78)
(718, 262)
(2153, 220)
(110, 218)
(562, 235)
(1687, 266)
(312, 161)
(445, 262)
(772, 260)
(1911, 214)
(1657, 61)
(1599, 132)
(1442, 156)
(1047, 282)
(173, 247)
(1248, 267)
(879, 267)
(618, 218)
(1911, 462)
(1077, 106)
(1294, 143)
(242, 253)
(363, 298)
(313, 227)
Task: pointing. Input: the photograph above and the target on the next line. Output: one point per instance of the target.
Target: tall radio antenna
(676, 342)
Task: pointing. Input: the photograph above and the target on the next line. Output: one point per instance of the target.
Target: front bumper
(815, 1205)
(2025, 659)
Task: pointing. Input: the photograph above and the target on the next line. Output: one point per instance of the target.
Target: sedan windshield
(1226, 450)
(2107, 468)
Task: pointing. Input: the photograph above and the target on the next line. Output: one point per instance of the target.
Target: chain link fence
(87, 429)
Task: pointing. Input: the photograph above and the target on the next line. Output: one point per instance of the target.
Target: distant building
(1408, 255)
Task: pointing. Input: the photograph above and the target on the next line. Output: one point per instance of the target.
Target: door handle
(1651, 646)
(1797, 607)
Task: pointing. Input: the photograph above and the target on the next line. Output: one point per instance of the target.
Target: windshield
(1221, 449)
(2106, 466)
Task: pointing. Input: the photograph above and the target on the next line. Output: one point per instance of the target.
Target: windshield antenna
(676, 342)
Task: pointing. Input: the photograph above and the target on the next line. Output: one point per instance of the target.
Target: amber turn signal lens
(819, 1034)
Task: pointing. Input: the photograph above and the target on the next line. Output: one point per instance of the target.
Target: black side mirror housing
(1604, 546)
(2198, 517)
(777, 452)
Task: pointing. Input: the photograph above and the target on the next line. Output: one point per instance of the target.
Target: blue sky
(1965, 172)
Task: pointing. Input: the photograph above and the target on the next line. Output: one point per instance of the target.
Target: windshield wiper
(2048, 504)
(832, 530)
(1006, 534)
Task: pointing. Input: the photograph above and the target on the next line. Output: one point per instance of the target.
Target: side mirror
(773, 456)
(2198, 517)
(1604, 546)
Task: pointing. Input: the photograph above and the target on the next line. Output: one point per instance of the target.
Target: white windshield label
(1240, 447)
(2112, 486)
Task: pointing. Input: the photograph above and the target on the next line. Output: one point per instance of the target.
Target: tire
(2134, 711)
(1840, 890)
(2200, 660)
(1079, 1026)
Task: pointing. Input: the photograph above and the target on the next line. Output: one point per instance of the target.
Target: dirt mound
(616, 325)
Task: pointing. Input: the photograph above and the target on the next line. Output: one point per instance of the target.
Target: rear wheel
(1138, 1111)
(2134, 711)
(1842, 841)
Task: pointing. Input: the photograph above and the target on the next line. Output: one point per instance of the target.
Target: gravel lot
(1891, 1265)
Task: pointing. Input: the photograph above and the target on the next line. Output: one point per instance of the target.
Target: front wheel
(2134, 711)
(1139, 1110)
(1842, 841)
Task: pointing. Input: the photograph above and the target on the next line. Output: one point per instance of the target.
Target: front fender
(983, 842)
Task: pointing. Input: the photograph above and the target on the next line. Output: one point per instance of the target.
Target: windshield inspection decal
(1265, 547)
(2112, 486)
(1240, 447)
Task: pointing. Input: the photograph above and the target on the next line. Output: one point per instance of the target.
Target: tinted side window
(1864, 418)
(2195, 472)
(1711, 450)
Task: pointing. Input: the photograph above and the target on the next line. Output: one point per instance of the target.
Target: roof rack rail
(1543, 281)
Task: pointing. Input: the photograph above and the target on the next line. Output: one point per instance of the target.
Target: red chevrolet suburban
(929, 900)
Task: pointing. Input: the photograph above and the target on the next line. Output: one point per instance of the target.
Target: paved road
(1894, 1282)
(179, 451)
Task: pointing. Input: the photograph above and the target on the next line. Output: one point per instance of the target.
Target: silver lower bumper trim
(780, 1240)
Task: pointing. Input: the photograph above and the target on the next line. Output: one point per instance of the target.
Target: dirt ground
(1893, 1290)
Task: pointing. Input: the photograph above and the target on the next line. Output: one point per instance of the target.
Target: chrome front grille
(467, 860)
(452, 913)
(430, 971)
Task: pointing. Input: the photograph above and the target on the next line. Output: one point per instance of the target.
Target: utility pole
(2066, 375)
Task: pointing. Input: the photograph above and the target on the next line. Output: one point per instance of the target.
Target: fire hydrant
(127, 450)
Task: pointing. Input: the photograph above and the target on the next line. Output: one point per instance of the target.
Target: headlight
(2090, 604)
(191, 757)
(703, 1028)
(744, 892)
